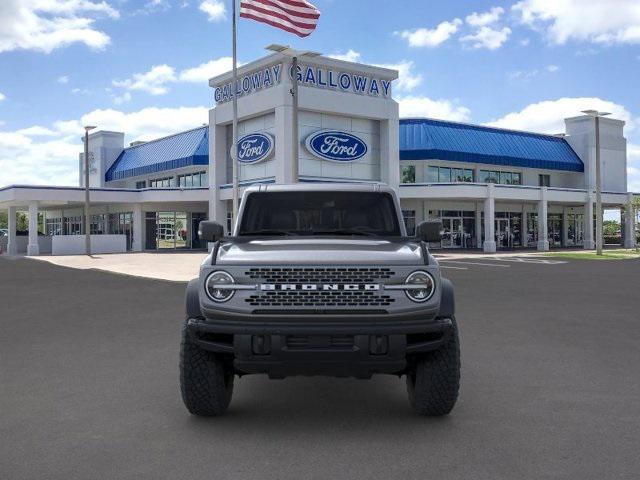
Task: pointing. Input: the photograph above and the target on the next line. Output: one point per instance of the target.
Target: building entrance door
(504, 236)
(453, 234)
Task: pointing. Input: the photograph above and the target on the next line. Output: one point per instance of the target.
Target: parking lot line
(454, 268)
(474, 263)
(531, 260)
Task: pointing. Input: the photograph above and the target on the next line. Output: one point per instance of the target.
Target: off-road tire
(206, 383)
(434, 382)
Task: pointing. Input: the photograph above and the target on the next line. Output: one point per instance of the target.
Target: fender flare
(447, 300)
(192, 299)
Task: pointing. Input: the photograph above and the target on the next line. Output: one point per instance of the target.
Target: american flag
(294, 16)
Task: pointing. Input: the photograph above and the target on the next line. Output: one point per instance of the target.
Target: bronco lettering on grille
(322, 287)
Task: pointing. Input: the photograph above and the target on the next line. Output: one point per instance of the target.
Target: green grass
(619, 254)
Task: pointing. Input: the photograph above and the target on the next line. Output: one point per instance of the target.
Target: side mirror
(210, 231)
(429, 231)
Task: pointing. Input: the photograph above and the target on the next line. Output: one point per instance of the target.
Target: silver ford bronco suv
(320, 279)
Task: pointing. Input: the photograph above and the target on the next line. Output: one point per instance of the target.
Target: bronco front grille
(320, 274)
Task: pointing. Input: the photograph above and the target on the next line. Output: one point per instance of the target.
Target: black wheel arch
(192, 299)
(447, 300)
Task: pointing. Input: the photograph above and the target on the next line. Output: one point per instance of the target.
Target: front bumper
(331, 346)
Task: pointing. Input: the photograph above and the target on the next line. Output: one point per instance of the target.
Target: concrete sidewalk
(177, 267)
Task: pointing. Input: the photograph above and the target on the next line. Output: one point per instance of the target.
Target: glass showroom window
(53, 226)
(73, 225)
(141, 184)
(162, 182)
(544, 180)
(189, 180)
(409, 221)
(447, 174)
(504, 178)
(408, 174)
(97, 224)
(122, 224)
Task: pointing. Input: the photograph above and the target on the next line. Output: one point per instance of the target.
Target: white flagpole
(234, 148)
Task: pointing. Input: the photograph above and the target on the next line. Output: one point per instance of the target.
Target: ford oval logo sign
(255, 147)
(336, 146)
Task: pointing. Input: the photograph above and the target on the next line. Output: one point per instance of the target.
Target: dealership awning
(183, 149)
(428, 139)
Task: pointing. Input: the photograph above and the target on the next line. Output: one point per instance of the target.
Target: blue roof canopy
(427, 139)
(183, 149)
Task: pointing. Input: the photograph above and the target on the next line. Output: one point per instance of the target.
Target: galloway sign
(255, 147)
(248, 84)
(336, 146)
(308, 76)
(328, 78)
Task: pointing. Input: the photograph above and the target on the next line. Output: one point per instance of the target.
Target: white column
(284, 140)
(489, 245)
(629, 224)
(478, 226)
(138, 219)
(12, 246)
(543, 240)
(218, 170)
(32, 246)
(390, 151)
(589, 242)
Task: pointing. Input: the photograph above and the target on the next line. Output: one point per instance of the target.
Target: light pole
(596, 114)
(87, 217)
(294, 54)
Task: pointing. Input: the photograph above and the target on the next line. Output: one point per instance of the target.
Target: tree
(635, 213)
(610, 228)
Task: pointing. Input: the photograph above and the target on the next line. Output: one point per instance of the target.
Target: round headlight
(215, 286)
(424, 283)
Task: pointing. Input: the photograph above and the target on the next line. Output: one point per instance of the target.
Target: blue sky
(142, 66)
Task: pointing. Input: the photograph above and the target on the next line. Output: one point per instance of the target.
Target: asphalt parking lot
(550, 386)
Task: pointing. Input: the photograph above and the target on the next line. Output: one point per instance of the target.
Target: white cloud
(49, 155)
(420, 106)
(407, 78)
(203, 72)
(214, 9)
(2, 96)
(45, 25)
(120, 99)
(487, 37)
(595, 21)
(157, 80)
(154, 81)
(63, 79)
(527, 75)
(349, 56)
(153, 6)
(486, 18)
(525, 42)
(424, 37)
(548, 116)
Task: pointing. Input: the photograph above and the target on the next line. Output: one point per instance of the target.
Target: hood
(320, 251)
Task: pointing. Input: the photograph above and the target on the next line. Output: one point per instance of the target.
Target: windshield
(319, 213)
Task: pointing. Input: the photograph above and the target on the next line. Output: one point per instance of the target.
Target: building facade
(492, 188)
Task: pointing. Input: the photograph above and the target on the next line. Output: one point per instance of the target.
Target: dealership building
(493, 188)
